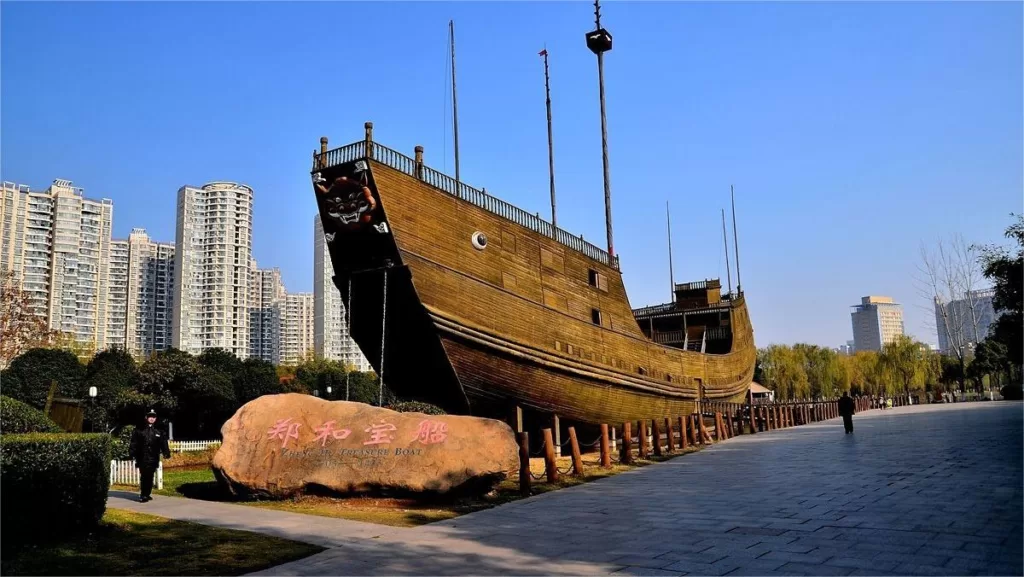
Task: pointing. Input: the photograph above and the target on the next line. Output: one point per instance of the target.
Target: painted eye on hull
(479, 240)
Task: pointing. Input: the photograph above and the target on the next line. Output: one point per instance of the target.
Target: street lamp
(328, 391)
(316, 392)
(92, 403)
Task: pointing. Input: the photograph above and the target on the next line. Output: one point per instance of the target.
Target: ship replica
(460, 299)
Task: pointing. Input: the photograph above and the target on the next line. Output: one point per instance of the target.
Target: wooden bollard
(645, 449)
(606, 454)
(670, 442)
(524, 464)
(656, 437)
(550, 465)
(704, 435)
(626, 456)
(682, 433)
(577, 458)
(719, 433)
(695, 437)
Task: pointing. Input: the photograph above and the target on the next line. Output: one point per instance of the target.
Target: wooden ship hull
(467, 302)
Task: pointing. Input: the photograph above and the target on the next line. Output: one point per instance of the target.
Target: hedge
(18, 417)
(53, 483)
(417, 407)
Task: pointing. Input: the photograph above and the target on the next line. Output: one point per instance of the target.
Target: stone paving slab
(934, 490)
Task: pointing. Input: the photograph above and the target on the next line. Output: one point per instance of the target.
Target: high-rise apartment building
(331, 338)
(117, 293)
(57, 244)
(296, 327)
(265, 314)
(212, 264)
(877, 320)
(149, 295)
(964, 322)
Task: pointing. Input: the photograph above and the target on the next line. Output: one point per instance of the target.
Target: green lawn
(128, 543)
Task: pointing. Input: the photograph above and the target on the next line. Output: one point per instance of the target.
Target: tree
(221, 360)
(949, 278)
(255, 379)
(1005, 268)
(114, 374)
(21, 328)
(990, 360)
(198, 398)
(904, 357)
(28, 377)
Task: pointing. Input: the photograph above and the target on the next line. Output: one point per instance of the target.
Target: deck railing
(400, 162)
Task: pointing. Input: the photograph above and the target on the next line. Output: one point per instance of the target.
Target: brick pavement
(923, 490)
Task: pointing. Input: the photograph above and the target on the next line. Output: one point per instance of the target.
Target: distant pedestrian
(846, 409)
(147, 444)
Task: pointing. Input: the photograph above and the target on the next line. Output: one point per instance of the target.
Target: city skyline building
(265, 314)
(964, 322)
(57, 245)
(149, 294)
(212, 262)
(296, 328)
(331, 339)
(877, 321)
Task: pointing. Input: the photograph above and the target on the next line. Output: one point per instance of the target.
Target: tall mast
(735, 238)
(551, 146)
(455, 105)
(600, 41)
(671, 275)
(725, 239)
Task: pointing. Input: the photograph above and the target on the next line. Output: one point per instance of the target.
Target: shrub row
(417, 407)
(18, 417)
(53, 483)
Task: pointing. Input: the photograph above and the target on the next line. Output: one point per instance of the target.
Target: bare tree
(21, 328)
(949, 278)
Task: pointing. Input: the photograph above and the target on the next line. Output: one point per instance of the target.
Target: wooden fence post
(656, 437)
(670, 442)
(524, 464)
(645, 451)
(606, 456)
(704, 435)
(550, 465)
(577, 459)
(626, 456)
(682, 433)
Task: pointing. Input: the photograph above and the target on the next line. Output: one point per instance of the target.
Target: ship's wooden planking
(523, 320)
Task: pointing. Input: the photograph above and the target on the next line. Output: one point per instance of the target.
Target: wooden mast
(671, 275)
(725, 239)
(455, 106)
(736, 238)
(551, 146)
(600, 41)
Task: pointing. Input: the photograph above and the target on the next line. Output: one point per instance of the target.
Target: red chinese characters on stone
(431, 432)
(327, 430)
(379, 433)
(284, 429)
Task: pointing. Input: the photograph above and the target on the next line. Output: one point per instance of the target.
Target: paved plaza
(923, 490)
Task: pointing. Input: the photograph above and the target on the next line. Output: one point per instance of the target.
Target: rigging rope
(383, 326)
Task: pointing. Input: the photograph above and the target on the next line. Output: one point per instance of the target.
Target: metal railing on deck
(443, 182)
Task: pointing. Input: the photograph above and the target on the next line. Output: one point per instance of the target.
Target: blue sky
(852, 131)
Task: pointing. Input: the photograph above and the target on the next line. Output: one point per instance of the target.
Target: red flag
(543, 52)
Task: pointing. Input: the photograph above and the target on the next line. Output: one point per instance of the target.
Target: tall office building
(877, 320)
(57, 244)
(212, 264)
(296, 327)
(149, 294)
(330, 329)
(964, 322)
(265, 314)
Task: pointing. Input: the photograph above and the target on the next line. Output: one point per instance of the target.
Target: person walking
(147, 444)
(846, 410)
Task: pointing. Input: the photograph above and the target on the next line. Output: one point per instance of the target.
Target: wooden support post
(656, 437)
(524, 464)
(719, 429)
(557, 430)
(738, 417)
(627, 452)
(645, 450)
(704, 435)
(515, 418)
(670, 442)
(418, 161)
(695, 438)
(550, 465)
(577, 459)
(750, 404)
(682, 433)
(606, 454)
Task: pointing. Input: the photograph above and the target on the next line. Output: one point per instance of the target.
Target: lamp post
(92, 403)
(316, 392)
(329, 389)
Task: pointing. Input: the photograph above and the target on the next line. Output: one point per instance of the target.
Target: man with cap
(147, 443)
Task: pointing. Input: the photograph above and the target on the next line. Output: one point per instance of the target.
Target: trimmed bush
(1012, 392)
(417, 407)
(17, 417)
(53, 483)
(121, 443)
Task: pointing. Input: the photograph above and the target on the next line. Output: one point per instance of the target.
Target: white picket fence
(125, 473)
(187, 446)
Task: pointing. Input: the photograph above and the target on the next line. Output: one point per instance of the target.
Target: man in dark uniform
(147, 443)
(846, 408)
